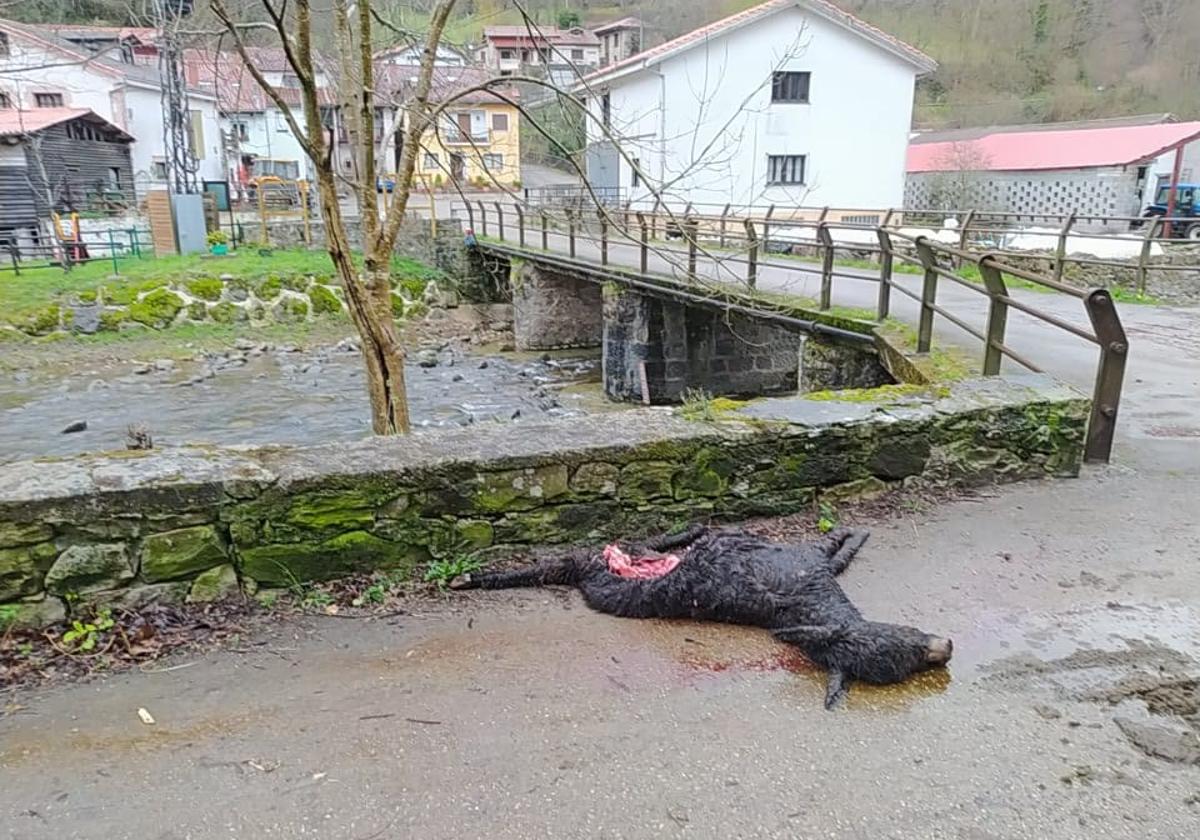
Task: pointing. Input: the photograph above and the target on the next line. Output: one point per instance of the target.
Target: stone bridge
(660, 339)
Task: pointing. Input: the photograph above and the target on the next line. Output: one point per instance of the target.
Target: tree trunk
(368, 300)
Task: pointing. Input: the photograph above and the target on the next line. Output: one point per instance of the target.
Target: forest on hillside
(1000, 61)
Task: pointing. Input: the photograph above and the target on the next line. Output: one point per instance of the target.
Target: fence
(1060, 240)
(742, 246)
(112, 245)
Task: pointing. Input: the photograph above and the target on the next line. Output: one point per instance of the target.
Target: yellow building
(477, 141)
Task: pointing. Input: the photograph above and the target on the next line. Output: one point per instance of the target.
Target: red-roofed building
(620, 39)
(1096, 168)
(562, 53)
(788, 102)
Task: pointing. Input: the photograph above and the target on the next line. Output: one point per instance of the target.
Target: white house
(38, 69)
(792, 102)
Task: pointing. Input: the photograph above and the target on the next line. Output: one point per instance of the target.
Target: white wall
(138, 110)
(1165, 165)
(268, 136)
(720, 124)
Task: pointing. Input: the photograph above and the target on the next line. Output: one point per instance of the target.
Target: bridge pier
(554, 309)
(656, 349)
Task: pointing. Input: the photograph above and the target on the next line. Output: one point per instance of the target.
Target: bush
(217, 237)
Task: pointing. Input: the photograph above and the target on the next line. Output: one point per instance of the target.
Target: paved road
(1070, 603)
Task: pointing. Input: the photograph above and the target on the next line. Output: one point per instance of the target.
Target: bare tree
(367, 287)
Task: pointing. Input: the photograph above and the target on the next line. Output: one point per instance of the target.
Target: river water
(259, 394)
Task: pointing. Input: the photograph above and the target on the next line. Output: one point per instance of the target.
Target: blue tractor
(1186, 212)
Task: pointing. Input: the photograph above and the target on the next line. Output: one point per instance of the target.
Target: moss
(206, 288)
(704, 408)
(356, 551)
(112, 319)
(642, 481)
(399, 304)
(22, 569)
(197, 311)
(290, 310)
(227, 313)
(414, 287)
(269, 287)
(296, 282)
(520, 489)
(157, 309)
(416, 309)
(596, 477)
(87, 296)
(123, 294)
(325, 302)
(707, 474)
(39, 321)
(177, 554)
(883, 395)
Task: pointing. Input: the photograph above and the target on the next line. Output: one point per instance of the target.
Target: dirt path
(1073, 606)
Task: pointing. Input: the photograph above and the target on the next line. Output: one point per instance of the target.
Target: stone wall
(554, 309)
(656, 349)
(131, 527)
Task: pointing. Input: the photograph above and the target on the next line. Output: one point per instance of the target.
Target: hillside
(1000, 60)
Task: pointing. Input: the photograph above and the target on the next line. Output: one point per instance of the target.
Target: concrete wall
(132, 528)
(704, 120)
(1106, 190)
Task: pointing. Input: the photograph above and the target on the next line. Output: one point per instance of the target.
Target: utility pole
(181, 162)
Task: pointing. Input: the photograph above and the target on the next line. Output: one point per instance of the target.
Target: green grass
(36, 288)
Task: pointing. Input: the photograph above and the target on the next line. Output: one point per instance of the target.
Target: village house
(39, 69)
(58, 160)
(620, 39)
(258, 142)
(476, 141)
(1109, 167)
(792, 102)
(559, 54)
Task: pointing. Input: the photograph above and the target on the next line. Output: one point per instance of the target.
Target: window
(637, 172)
(506, 55)
(606, 109)
(196, 130)
(280, 122)
(241, 131)
(493, 162)
(5, 100)
(159, 170)
(431, 160)
(785, 169)
(790, 87)
(114, 177)
(577, 55)
(48, 100)
(4, 48)
(499, 122)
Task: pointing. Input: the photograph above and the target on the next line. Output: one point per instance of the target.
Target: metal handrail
(637, 230)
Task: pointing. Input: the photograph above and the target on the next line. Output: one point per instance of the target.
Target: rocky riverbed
(258, 392)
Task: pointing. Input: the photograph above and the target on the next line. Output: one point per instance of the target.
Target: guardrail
(742, 246)
(975, 229)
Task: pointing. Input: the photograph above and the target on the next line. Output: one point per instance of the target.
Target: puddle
(284, 397)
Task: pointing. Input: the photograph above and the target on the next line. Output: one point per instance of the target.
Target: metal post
(928, 295)
(134, 245)
(766, 234)
(751, 255)
(545, 230)
(571, 231)
(1060, 253)
(520, 224)
(724, 222)
(625, 220)
(303, 185)
(826, 240)
(603, 236)
(262, 215)
(654, 218)
(997, 321)
(1144, 255)
(500, 218)
(1110, 375)
(645, 249)
(692, 227)
(483, 228)
(883, 305)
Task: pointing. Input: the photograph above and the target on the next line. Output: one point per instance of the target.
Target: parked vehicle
(1186, 211)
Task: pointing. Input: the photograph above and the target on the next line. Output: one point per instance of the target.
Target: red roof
(1067, 149)
(821, 7)
(15, 123)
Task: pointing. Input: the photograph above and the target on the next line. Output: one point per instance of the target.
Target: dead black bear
(737, 578)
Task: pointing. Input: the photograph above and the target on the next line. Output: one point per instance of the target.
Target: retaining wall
(133, 527)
